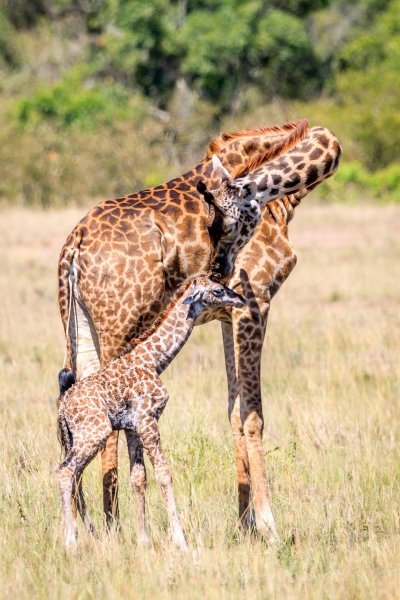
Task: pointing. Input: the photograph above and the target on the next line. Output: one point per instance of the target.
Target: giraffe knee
(64, 476)
(253, 426)
(164, 476)
(236, 423)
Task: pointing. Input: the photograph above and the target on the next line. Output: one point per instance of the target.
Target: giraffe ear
(219, 168)
(192, 298)
(248, 191)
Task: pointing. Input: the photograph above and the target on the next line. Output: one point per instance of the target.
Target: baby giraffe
(129, 394)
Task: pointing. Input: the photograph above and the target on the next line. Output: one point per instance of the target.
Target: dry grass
(331, 388)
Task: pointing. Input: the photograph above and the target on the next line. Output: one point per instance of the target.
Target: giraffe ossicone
(129, 394)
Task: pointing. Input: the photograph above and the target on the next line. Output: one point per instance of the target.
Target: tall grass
(331, 388)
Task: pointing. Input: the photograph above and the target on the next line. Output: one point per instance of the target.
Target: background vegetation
(104, 97)
(330, 378)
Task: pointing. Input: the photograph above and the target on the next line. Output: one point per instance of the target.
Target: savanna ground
(331, 386)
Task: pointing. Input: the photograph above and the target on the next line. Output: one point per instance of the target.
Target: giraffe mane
(286, 127)
(296, 129)
(299, 130)
(158, 322)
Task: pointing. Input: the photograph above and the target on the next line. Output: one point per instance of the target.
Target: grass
(331, 388)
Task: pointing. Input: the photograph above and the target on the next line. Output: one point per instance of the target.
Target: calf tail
(64, 435)
(66, 379)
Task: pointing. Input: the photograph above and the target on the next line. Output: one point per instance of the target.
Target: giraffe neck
(168, 334)
(305, 166)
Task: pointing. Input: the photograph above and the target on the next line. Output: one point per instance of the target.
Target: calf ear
(219, 168)
(192, 298)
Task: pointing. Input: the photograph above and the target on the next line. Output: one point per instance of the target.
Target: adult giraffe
(131, 253)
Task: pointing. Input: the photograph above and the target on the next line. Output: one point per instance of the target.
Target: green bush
(8, 50)
(267, 48)
(352, 179)
(44, 166)
(217, 48)
(72, 102)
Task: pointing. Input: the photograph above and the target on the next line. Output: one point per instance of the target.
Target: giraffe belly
(123, 419)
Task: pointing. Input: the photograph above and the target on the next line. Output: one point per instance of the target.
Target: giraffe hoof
(268, 535)
(143, 541)
(180, 543)
(93, 533)
(70, 543)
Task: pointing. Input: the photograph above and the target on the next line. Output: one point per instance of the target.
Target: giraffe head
(204, 293)
(236, 216)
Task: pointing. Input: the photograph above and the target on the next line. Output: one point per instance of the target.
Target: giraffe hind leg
(65, 477)
(84, 445)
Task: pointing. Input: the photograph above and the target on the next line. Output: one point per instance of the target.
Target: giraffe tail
(66, 379)
(65, 301)
(82, 348)
(68, 251)
(67, 376)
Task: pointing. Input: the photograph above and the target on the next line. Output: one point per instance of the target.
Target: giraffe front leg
(248, 336)
(246, 515)
(242, 459)
(253, 430)
(109, 465)
(150, 436)
(139, 483)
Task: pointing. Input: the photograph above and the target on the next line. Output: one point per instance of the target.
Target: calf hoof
(70, 542)
(143, 540)
(268, 534)
(179, 541)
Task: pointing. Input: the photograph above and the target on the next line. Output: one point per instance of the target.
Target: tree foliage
(368, 78)
(216, 47)
(183, 68)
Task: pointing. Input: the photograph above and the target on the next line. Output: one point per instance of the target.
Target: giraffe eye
(218, 292)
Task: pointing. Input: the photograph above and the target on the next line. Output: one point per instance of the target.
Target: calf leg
(109, 467)
(65, 478)
(139, 483)
(150, 437)
(86, 444)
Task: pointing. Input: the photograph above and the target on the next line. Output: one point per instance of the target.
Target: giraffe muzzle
(235, 299)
